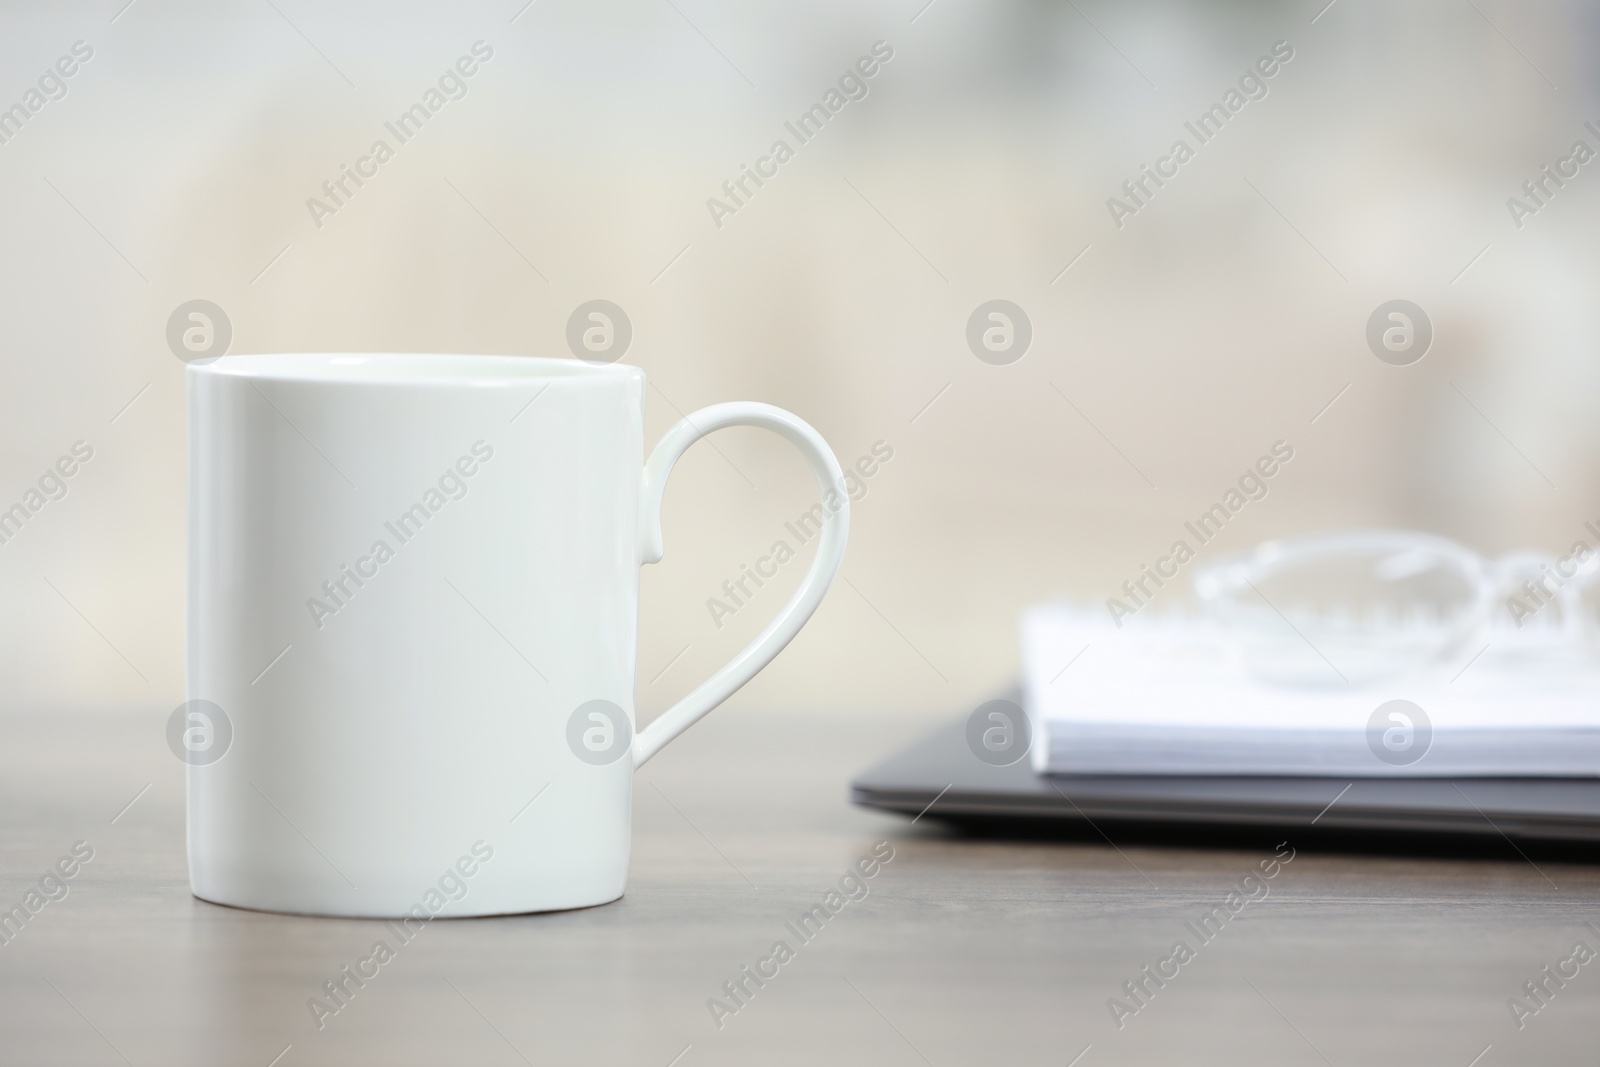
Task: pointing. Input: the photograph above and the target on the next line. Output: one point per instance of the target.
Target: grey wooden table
(963, 951)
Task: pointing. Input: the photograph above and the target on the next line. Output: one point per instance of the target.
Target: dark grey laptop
(940, 778)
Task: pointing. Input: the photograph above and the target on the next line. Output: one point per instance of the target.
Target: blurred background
(1167, 354)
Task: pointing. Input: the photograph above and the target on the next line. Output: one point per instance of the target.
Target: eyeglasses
(1359, 605)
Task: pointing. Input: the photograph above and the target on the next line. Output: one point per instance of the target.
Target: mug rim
(422, 368)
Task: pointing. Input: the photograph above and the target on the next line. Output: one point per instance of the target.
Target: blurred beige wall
(1224, 316)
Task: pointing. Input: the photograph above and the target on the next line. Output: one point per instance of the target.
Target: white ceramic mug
(413, 606)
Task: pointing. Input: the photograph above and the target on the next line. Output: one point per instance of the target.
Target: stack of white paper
(1165, 696)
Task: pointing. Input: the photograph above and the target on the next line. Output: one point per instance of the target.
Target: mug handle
(781, 630)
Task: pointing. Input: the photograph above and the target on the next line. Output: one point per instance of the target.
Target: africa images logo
(998, 733)
(1399, 733)
(599, 732)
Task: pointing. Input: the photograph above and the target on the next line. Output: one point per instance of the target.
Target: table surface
(966, 950)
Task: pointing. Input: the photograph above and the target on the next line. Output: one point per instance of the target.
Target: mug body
(407, 576)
